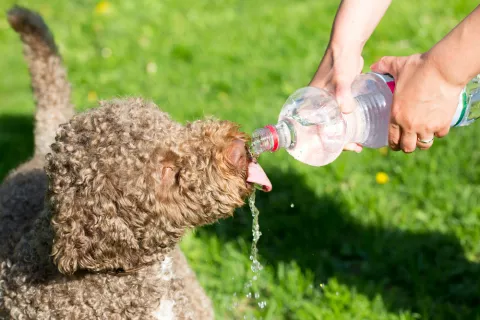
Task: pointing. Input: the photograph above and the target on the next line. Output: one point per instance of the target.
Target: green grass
(348, 248)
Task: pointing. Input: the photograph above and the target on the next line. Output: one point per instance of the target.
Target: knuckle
(408, 124)
(408, 127)
(396, 117)
(443, 133)
(385, 59)
(394, 130)
(430, 128)
(399, 63)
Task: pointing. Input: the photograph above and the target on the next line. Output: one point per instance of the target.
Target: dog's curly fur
(90, 226)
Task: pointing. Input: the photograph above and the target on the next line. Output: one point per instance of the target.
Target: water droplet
(292, 205)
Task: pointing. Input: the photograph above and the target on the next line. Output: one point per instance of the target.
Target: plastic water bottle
(313, 130)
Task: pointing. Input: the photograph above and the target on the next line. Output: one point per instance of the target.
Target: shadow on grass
(421, 272)
(16, 141)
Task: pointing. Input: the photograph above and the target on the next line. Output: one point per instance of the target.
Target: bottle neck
(273, 137)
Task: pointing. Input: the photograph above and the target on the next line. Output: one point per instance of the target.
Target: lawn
(336, 243)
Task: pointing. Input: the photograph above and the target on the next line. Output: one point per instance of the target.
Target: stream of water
(255, 266)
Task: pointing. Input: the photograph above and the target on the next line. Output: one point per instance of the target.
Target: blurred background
(376, 235)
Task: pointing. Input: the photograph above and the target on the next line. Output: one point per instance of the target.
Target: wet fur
(90, 226)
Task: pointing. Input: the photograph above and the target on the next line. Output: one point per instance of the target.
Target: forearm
(355, 22)
(457, 56)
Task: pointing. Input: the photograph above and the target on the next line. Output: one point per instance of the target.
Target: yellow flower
(103, 7)
(92, 96)
(383, 151)
(151, 67)
(381, 178)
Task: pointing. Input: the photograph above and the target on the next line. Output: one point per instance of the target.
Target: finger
(442, 133)
(360, 67)
(387, 65)
(425, 141)
(353, 147)
(394, 136)
(319, 82)
(408, 141)
(344, 98)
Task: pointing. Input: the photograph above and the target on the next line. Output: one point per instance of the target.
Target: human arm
(342, 62)
(428, 85)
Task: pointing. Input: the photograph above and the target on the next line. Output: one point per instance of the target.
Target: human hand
(336, 73)
(424, 101)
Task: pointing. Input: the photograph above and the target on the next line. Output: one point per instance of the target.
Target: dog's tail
(51, 88)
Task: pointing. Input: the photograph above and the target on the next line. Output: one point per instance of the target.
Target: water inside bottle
(320, 111)
(322, 131)
(317, 144)
(319, 127)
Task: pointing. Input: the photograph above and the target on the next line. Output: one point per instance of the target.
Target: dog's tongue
(258, 176)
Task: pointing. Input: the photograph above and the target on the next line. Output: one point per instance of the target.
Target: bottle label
(389, 80)
(461, 113)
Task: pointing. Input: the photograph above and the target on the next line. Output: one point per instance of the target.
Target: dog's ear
(165, 169)
(237, 154)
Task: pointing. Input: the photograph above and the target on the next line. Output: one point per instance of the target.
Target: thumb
(387, 65)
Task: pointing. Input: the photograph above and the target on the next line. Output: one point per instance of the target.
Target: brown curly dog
(90, 226)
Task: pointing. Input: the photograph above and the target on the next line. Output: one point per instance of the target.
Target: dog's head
(126, 182)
